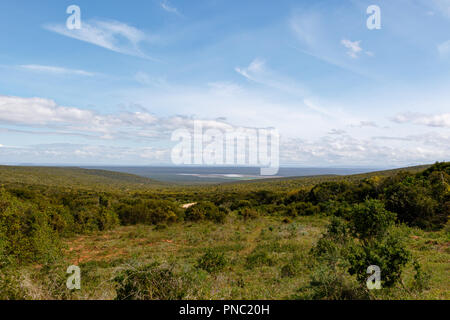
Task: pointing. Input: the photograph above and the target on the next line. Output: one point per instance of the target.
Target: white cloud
(437, 120)
(353, 46)
(255, 68)
(112, 35)
(39, 112)
(56, 70)
(152, 136)
(258, 72)
(168, 7)
(60, 153)
(311, 28)
(342, 149)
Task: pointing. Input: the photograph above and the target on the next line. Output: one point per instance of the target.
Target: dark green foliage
(331, 191)
(151, 282)
(212, 261)
(205, 210)
(370, 219)
(25, 232)
(265, 197)
(349, 248)
(248, 213)
(301, 209)
(389, 254)
(336, 208)
(241, 204)
(412, 200)
(301, 195)
(148, 212)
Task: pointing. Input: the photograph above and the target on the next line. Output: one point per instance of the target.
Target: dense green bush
(301, 209)
(389, 254)
(148, 212)
(26, 233)
(370, 220)
(331, 191)
(205, 210)
(348, 248)
(413, 200)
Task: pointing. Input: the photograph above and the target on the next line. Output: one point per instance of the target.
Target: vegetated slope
(72, 177)
(264, 240)
(293, 182)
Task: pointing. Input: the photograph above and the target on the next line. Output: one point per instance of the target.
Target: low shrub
(212, 261)
(258, 259)
(248, 213)
(151, 282)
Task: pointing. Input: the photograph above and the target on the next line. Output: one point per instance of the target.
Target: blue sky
(113, 91)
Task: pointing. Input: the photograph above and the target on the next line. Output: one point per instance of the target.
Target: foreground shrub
(330, 284)
(348, 248)
(151, 282)
(25, 231)
(212, 261)
(10, 285)
(370, 220)
(389, 254)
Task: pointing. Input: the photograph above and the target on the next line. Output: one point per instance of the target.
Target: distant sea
(223, 174)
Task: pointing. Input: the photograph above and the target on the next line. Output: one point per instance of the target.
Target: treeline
(419, 200)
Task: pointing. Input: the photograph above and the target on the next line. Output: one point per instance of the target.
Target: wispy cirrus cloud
(56, 70)
(257, 71)
(112, 35)
(169, 8)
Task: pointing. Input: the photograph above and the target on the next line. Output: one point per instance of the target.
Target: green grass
(266, 258)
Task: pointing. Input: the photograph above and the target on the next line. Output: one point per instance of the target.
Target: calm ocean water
(223, 174)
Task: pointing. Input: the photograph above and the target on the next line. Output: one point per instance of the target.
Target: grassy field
(266, 258)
